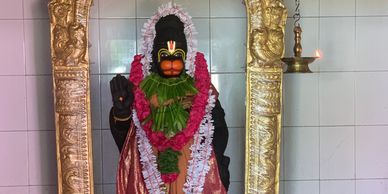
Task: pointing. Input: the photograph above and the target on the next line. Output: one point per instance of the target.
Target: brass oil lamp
(298, 64)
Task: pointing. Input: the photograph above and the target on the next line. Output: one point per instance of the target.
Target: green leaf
(172, 118)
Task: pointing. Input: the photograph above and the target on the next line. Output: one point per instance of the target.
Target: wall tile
(301, 187)
(37, 43)
(337, 187)
(14, 160)
(97, 156)
(371, 7)
(336, 98)
(40, 110)
(118, 44)
(232, 97)
(371, 39)
(109, 188)
(42, 158)
(282, 178)
(235, 150)
(341, 8)
(147, 8)
(337, 153)
(98, 189)
(309, 38)
(95, 101)
(13, 102)
(35, 9)
(236, 187)
(11, 9)
(95, 9)
(307, 8)
(14, 190)
(94, 46)
(228, 52)
(203, 37)
(301, 152)
(337, 44)
(199, 8)
(371, 94)
(139, 35)
(227, 8)
(42, 189)
(300, 100)
(281, 187)
(371, 152)
(117, 8)
(11, 50)
(371, 186)
(110, 159)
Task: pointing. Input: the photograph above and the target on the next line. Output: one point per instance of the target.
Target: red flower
(138, 57)
(136, 74)
(170, 177)
(179, 141)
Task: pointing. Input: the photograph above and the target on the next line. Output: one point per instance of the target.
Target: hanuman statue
(166, 118)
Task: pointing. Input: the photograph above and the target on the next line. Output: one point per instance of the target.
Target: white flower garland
(201, 151)
(151, 174)
(149, 36)
(198, 167)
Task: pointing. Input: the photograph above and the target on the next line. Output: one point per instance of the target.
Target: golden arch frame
(71, 80)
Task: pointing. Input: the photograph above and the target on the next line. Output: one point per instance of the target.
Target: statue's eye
(177, 54)
(164, 55)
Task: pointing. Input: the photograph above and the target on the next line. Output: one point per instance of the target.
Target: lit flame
(318, 53)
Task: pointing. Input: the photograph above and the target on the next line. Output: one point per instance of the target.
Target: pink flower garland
(142, 106)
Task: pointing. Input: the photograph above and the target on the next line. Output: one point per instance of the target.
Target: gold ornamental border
(71, 80)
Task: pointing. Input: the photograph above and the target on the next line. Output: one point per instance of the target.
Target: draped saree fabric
(130, 179)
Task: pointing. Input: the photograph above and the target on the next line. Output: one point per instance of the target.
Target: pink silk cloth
(130, 179)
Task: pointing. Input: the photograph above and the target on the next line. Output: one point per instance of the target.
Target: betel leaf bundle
(168, 114)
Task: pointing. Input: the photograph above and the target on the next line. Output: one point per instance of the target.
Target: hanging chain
(296, 15)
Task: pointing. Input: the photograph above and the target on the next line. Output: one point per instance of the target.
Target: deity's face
(171, 59)
(170, 47)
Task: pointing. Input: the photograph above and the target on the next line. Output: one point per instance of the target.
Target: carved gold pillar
(70, 64)
(265, 47)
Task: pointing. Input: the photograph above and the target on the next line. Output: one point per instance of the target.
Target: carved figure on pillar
(266, 44)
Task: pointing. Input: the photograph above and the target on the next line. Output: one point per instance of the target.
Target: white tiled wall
(336, 118)
(335, 123)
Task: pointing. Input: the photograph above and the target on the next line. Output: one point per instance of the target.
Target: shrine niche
(71, 78)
